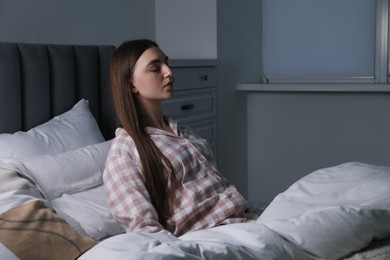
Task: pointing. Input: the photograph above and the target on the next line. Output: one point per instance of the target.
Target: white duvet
(235, 241)
(328, 214)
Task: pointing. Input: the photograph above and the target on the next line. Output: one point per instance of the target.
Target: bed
(56, 124)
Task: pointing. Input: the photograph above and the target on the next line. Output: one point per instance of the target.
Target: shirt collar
(172, 124)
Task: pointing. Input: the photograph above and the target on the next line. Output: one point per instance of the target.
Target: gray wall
(293, 134)
(239, 60)
(76, 22)
(180, 32)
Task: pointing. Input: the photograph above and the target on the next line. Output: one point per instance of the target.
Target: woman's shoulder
(121, 136)
(122, 142)
(121, 133)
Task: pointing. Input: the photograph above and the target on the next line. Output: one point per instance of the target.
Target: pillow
(33, 231)
(88, 209)
(72, 129)
(68, 172)
(16, 190)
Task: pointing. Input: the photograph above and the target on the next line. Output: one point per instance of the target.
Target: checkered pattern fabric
(202, 199)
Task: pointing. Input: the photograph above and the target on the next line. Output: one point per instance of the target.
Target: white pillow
(15, 190)
(72, 129)
(90, 210)
(68, 172)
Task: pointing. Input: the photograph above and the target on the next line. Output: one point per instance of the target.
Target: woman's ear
(133, 89)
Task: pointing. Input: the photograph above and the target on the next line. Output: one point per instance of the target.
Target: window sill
(272, 87)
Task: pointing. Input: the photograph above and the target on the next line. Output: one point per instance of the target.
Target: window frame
(382, 42)
(381, 56)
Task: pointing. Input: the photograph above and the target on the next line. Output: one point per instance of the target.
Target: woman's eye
(155, 69)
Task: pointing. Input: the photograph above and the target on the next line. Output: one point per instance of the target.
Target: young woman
(160, 177)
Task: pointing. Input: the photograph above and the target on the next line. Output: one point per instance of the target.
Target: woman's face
(152, 77)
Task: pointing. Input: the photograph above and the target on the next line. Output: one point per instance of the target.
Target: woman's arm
(128, 198)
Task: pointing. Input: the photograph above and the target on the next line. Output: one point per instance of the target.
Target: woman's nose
(168, 71)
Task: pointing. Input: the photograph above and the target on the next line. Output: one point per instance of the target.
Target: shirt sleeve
(128, 197)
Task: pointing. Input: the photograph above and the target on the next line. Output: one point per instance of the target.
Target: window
(332, 41)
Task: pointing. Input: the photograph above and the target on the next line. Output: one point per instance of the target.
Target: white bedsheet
(328, 214)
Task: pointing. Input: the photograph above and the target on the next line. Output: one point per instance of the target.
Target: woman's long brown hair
(157, 168)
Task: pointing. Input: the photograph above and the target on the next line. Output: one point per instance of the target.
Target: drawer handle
(187, 107)
(204, 77)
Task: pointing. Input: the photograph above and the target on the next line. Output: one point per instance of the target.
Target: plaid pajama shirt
(202, 199)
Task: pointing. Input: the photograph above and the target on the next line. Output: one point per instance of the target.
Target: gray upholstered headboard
(40, 81)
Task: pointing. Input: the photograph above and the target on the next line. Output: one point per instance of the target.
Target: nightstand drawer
(191, 104)
(194, 77)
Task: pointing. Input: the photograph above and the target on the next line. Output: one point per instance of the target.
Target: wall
(239, 60)
(292, 134)
(187, 29)
(76, 22)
